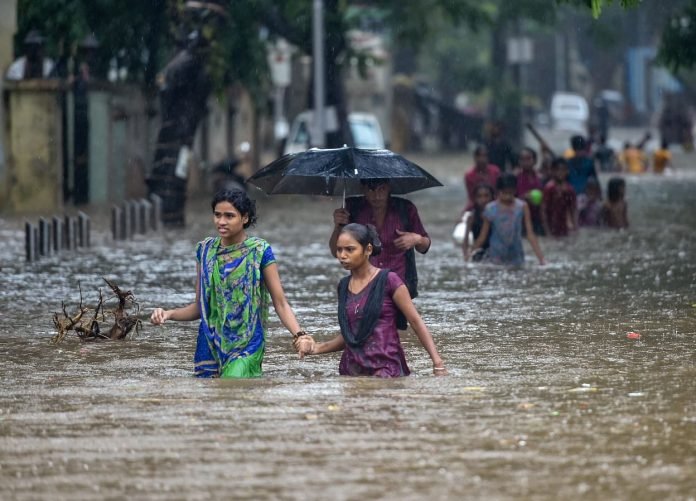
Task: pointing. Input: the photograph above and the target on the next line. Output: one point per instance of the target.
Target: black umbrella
(338, 171)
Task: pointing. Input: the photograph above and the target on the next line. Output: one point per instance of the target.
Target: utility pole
(319, 129)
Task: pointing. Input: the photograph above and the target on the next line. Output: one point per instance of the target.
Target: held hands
(406, 240)
(304, 345)
(341, 217)
(159, 316)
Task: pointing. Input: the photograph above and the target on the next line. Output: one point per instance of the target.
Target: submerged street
(546, 397)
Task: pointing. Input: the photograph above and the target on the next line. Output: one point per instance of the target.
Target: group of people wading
(375, 238)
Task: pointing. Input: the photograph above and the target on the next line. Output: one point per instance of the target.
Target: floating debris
(88, 323)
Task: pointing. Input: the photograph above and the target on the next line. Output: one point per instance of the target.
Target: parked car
(569, 112)
(365, 128)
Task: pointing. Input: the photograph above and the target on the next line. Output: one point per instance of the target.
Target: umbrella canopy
(338, 171)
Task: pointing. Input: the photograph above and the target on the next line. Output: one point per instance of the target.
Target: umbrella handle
(343, 205)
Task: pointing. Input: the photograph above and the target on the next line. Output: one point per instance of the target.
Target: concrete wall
(123, 126)
(8, 27)
(34, 147)
(119, 144)
(120, 148)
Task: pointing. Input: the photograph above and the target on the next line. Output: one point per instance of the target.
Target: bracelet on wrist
(439, 368)
(299, 334)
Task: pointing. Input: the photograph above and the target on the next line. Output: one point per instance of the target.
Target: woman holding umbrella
(399, 228)
(368, 302)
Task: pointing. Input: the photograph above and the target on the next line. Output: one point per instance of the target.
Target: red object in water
(633, 335)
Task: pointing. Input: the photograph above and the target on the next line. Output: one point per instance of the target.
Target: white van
(569, 112)
(365, 127)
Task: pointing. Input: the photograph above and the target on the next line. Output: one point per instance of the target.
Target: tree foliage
(678, 48)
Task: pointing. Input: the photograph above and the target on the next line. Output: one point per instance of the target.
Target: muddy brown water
(546, 398)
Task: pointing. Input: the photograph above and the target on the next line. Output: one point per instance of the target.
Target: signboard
(520, 50)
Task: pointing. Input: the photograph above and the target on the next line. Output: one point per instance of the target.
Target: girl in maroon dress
(368, 301)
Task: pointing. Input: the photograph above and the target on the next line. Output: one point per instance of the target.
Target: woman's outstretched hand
(159, 316)
(304, 345)
(439, 370)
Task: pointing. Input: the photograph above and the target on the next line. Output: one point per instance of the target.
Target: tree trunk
(183, 97)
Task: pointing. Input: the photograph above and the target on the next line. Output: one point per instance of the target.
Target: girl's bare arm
(531, 236)
(280, 303)
(465, 243)
(485, 229)
(402, 299)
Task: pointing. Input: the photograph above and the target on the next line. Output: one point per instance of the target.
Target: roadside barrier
(54, 235)
(57, 234)
(136, 216)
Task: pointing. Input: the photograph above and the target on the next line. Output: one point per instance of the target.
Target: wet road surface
(547, 398)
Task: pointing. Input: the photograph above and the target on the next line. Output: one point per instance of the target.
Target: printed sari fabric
(234, 305)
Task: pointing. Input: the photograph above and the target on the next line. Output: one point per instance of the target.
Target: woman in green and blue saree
(237, 280)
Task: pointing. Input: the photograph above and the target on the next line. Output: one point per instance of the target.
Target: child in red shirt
(559, 204)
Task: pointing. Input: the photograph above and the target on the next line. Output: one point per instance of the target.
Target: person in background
(581, 167)
(483, 195)
(559, 205)
(32, 64)
(483, 172)
(369, 300)
(604, 156)
(662, 158)
(590, 204)
(499, 148)
(633, 159)
(503, 220)
(529, 184)
(614, 213)
(547, 158)
(399, 228)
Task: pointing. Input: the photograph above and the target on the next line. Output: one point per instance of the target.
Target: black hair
(592, 181)
(481, 148)
(364, 235)
(484, 186)
(558, 161)
(614, 188)
(578, 143)
(507, 181)
(374, 182)
(531, 151)
(241, 201)
(664, 144)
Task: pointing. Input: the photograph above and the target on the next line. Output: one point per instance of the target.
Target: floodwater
(546, 397)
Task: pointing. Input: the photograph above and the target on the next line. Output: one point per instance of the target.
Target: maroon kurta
(382, 354)
(391, 258)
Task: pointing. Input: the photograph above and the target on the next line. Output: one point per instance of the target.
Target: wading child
(503, 219)
(237, 277)
(662, 158)
(368, 301)
(614, 212)
(590, 204)
(483, 195)
(529, 186)
(558, 207)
